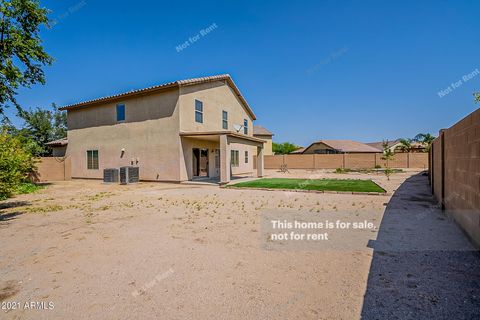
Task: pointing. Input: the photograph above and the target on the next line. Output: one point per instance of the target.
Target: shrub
(16, 163)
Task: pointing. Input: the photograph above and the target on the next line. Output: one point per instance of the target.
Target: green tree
(16, 163)
(477, 96)
(22, 55)
(426, 139)
(283, 148)
(42, 126)
(387, 156)
(406, 145)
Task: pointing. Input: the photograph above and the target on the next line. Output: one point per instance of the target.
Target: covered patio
(218, 145)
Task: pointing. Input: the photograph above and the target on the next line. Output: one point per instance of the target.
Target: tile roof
(58, 143)
(178, 83)
(347, 146)
(379, 144)
(298, 151)
(261, 131)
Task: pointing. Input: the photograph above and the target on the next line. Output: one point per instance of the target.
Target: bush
(16, 163)
(27, 187)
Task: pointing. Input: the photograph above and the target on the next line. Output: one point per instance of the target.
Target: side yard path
(423, 266)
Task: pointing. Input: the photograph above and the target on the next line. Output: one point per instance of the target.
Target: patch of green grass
(28, 187)
(312, 184)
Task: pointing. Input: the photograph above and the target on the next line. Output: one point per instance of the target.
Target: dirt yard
(87, 250)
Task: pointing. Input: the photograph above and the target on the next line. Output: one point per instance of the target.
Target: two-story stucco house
(176, 131)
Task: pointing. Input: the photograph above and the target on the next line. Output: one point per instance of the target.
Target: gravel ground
(157, 250)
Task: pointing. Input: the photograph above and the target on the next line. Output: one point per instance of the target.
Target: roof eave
(187, 82)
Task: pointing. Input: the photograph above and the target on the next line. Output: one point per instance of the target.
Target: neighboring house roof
(261, 131)
(379, 144)
(164, 86)
(299, 150)
(58, 143)
(346, 146)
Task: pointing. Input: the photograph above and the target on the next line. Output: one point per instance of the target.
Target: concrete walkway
(423, 266)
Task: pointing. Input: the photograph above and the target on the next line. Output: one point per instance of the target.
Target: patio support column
(260, 161)
(224, 160)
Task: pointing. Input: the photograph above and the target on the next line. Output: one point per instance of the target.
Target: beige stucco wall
(267, 146)
(149, 136)
(243, 168)
(216, 97)
(150, 133)
(187, 151)
(52, 169)
(186, 172)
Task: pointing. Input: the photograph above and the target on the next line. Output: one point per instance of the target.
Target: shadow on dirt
(6, 216)
(423, 266)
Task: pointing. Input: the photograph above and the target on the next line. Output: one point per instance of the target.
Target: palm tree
(406, 145)
(426, 139)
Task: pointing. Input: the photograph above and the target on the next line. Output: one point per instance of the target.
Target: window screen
(225, 120)
(92, 159)
(198, 111)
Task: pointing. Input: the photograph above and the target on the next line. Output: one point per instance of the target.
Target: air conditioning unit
(129, 174)
(110, 175)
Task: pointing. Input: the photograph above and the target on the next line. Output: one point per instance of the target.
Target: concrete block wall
(52, 169)
(351, 160)
(455, 173)
(328, 161)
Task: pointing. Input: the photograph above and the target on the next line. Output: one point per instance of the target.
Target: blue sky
(361, 70)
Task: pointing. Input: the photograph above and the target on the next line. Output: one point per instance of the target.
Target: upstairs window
(225, 120)
(198, 111)
(245, 126)
(120, 112)
(92, 159)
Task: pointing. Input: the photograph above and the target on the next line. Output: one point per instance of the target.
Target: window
(225, 120)
(234, 157)
(326, 151)
(246, 156)
(120, 112)
(217, 159)
(245, 126)
(198, 111)
(92, 159)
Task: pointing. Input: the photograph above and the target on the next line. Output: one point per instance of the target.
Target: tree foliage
(44, 125)
(388, 155)
(426, 139)
(406, 145)
(477, 96)
(16, 162)
(283, 148)
(22, 55)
